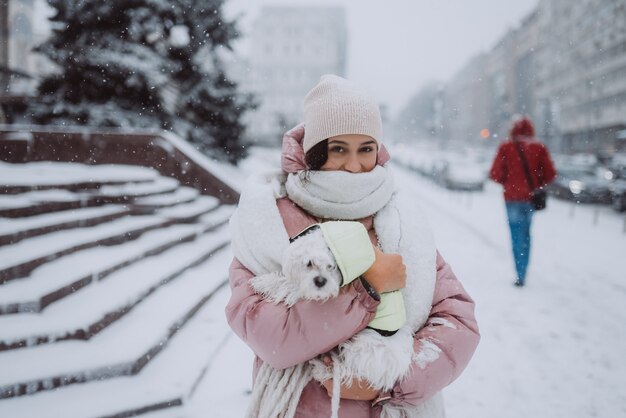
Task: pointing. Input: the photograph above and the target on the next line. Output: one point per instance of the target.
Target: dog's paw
(319, 370)
(380, 360)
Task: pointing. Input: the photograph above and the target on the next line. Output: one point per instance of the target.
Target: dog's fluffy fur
(368, 355)
(380, 360)
(309, 271)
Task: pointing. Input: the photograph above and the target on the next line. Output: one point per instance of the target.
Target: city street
(128, 131)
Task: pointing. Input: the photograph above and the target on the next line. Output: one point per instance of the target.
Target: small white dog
(310, 271)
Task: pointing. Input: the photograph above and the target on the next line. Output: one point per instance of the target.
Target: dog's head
(310, 266)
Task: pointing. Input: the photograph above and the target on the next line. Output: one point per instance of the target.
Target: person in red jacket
(508, 170)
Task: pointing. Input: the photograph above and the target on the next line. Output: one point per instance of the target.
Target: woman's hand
(358, 390)
(388, 273)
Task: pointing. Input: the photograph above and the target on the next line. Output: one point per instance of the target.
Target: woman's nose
(352, 164)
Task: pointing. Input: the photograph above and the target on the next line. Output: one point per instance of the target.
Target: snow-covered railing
(162, 150)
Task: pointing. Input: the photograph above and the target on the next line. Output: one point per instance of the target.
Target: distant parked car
(618, 186)
(581, 185)
(618, 195)
(459, 174)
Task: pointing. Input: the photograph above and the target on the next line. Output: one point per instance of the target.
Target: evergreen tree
(144, 63)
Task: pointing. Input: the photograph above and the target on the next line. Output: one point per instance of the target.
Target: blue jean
(520, 215)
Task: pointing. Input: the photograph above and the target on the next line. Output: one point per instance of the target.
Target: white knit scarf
(259, 239)
(341, 195)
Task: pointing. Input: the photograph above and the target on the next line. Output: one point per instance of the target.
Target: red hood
(522, 128)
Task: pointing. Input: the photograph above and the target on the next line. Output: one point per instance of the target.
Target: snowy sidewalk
(555, 347)
(552, 349)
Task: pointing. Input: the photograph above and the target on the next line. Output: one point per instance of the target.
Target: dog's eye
(331, 267)
(309, 263)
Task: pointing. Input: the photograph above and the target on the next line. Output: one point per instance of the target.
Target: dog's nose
(319, 281)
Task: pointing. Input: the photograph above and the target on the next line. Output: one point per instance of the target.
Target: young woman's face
(352, 153)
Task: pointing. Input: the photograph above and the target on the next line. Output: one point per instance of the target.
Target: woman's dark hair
(317, 156)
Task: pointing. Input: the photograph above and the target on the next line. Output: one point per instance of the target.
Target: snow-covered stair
(108, 300)
(190, 211)
(121, 349)
(163, 385)
(181, 195)
(18, 178)
(22, 201)
(20, 259)
(131, 191)
(66, 275)
(41, 202)
(108, 276)
(14, 230)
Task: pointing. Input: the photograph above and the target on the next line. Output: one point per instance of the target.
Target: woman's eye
(367, 149)
(336, 149)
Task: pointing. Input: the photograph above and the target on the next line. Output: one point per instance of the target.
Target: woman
(519, 159)
(335, 169)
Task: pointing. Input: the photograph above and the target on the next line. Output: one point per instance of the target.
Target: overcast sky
(395, 46)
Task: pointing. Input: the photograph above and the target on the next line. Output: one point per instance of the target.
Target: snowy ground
(552, 349)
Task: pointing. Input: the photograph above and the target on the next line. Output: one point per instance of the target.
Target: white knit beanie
(337, 107)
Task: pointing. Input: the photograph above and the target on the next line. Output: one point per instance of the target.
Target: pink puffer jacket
(284, 337)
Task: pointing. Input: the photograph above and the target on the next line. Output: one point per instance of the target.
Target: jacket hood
(522, 128)
(292, 159)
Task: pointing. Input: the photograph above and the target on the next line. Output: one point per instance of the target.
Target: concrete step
(39, 202)
(120, 350)
(19, 260)
(46, 175)
(84, 314)
(15, 230)
(188, 212)
(160, 390)
(59, 278)
(181, 195)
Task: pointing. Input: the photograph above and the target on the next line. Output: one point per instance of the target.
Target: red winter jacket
(507, 168)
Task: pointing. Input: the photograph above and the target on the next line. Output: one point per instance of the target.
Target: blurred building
(23, 25)
(291, 47)
(511, 73)
(464, 103)
(581, 76)
(564, 65)
(484, 96)
(422, 117)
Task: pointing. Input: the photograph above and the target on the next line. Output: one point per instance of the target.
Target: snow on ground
(552, 349)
